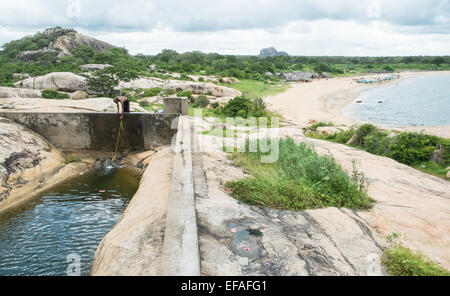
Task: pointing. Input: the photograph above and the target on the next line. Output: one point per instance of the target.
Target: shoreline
(324, 100)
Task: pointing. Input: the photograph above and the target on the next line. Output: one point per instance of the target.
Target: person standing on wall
(125, 105)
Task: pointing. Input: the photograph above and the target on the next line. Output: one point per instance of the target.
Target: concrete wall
(99, 131)
(176, 105)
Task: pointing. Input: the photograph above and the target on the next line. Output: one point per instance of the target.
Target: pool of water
(64, 225)
(418, 101)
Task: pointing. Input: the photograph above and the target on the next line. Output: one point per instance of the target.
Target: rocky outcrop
(79, 95)
(33, 55)
(94, 67)
(69, 42)
(300, 76)
(10, 92)
(178, 85)
(28, 165)
(62, 81)
(271, 52)
(237, 239)
(62, 43)
(21, 75)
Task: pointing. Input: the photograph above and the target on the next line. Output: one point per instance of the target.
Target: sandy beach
(324, 100)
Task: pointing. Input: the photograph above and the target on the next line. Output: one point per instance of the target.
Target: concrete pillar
(176, 105)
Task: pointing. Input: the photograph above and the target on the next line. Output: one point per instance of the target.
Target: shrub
(362, 132)
(215, 105)
(201, 102)
(315, 126)
(412, 148)
(300, 179)
(186, 93)
(259, 108)
(53, 94)
(239, 106)
(185, 77)
(152, 92)
(401, 261)
(170, 92)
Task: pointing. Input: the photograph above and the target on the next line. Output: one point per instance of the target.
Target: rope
(118, 139)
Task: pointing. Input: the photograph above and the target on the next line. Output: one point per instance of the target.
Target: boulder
(79, 95)
(10, 92)
(179, 86)
(7, 106)
(71, 41)
(26, 159)
(62, 81)
(94, 67)
(436, 156)
(329, 130)
(21, 75)
(33, 55)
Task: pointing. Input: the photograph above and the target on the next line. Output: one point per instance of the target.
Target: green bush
(53, 94)
(152, 92)
(201, 102)
(362, 132)
(315, 126)
(169, 92)
(259, 108)
(186, 93)
(412, 148)
(238, 107)
(300, 179)
(401, 261)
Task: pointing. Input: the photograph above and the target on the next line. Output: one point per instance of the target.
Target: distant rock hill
(60, 42)
(271, 52)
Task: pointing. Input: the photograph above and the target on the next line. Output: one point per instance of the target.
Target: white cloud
(310, 27)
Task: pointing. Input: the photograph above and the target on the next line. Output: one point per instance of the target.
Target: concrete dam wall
(99, 131)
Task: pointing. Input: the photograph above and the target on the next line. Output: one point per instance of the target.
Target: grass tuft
(401, 261)
(300, 179)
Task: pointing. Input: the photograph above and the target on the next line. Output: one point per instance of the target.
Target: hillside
(53, 41)
(65, 50)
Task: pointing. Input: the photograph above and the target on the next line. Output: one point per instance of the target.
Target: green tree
(438, 61)
(104, 81)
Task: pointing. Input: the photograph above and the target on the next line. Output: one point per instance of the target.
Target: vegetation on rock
(413, 149)
(53, 94)
(300, 179)
(402, 261)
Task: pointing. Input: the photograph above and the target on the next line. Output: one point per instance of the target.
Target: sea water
(418, 101)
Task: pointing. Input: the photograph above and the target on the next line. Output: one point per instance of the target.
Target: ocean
(417, 101)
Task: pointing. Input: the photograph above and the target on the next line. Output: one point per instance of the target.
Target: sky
(244, 27)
